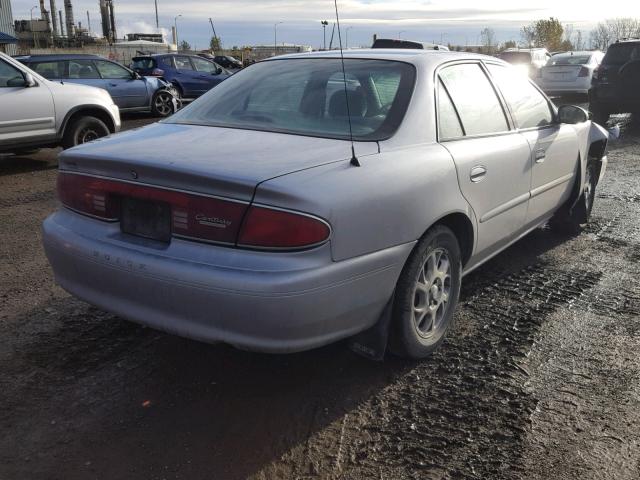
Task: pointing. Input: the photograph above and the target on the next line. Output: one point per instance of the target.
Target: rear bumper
(579, 86)
(275, 303)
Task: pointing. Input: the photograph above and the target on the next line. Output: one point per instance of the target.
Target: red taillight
(156, 72)
(584, 72)
(198, 217)
(88, 195)
(276, 229)
(195, 216)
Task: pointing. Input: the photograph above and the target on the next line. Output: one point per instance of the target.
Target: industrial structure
(108, 21)
(7, 33)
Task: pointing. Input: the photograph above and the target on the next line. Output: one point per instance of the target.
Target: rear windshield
(516, 57)
(307, 97)
(568, 60)
(143, 63)
(622, 53)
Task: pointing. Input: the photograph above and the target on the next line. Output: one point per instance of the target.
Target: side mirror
(136, 76)
(29, 81)
(572, 115)
(218, 71)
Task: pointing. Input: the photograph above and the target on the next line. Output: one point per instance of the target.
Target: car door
(27, 113)
(84, 72)
(209, 73)
(125, 88)
(189, 79)
(492, 159)
(554, 146)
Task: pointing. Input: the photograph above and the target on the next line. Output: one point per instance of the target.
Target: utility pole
(214, 34)
(88, 22)
(157, 19)
(275, 38)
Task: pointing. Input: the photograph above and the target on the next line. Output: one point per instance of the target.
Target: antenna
(354, 159)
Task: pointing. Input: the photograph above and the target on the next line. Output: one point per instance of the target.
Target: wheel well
(462, 227)
(598, 149)
(91, 112)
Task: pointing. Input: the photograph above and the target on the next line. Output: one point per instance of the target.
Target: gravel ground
(540, 379)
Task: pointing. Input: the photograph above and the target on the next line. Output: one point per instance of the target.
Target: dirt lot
(540, 379)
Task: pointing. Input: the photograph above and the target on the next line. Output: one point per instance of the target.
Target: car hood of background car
(217, 161)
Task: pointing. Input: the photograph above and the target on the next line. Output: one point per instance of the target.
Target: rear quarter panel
(392, 199)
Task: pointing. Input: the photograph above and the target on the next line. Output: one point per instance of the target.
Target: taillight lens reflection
(584, 72)
(276, 229)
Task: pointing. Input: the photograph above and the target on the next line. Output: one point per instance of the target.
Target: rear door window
(448, 120)
(475, 99)
(49, 70)
(529, 107)
(143, 63)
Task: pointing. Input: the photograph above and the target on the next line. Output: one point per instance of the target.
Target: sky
(252, 22)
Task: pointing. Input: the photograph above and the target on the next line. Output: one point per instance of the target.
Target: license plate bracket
(146, 219)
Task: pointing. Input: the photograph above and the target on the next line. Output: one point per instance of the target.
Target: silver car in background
(569, 73)
(246, 219)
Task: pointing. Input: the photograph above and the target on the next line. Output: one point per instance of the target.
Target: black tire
(411, 335)
(162, 104)
(600, 115)
(571, 220)
(82, 130)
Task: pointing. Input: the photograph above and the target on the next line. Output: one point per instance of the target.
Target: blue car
(129, 90)
(191, 75)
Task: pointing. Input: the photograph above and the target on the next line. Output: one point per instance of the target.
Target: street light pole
(175, 25)
(324, 24)
(347, 38)
(33, 32)
(400, 34)
(275, 38)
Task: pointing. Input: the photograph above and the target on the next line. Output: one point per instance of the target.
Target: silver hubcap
(588, 190)
(432, 293)
(163, 104)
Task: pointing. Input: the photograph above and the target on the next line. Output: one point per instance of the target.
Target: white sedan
(570, 72)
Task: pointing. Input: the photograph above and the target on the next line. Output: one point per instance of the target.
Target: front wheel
(83, 130)
(163, 104)
(571, 220)
(427, 295)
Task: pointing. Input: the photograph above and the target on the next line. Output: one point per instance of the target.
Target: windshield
(516, 57)
(307, 97)
(622, 53)
(568, 60)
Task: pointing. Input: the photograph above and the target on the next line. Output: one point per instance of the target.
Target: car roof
(59, 57)
(625, 40)
(414, 56)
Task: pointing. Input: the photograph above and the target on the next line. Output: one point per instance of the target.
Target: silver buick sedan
(247, 218)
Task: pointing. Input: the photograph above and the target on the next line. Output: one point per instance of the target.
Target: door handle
(541, 156)
(478, 173)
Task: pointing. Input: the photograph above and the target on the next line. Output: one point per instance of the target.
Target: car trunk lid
(208, 160)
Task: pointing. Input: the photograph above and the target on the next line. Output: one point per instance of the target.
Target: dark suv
(615, 87)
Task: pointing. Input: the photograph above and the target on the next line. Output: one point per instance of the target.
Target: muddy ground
(540, 378)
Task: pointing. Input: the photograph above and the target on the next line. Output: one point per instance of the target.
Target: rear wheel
(163, 104)
(571, 220)
(83, 130)
(426, 295)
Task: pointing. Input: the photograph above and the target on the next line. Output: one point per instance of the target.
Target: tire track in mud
(463, 412)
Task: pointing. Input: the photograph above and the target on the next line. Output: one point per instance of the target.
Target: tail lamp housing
(195, 216)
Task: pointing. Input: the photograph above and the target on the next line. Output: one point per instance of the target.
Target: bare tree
(488, 38)
(614, 29)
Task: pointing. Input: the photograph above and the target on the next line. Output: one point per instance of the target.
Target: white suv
(37, 113)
